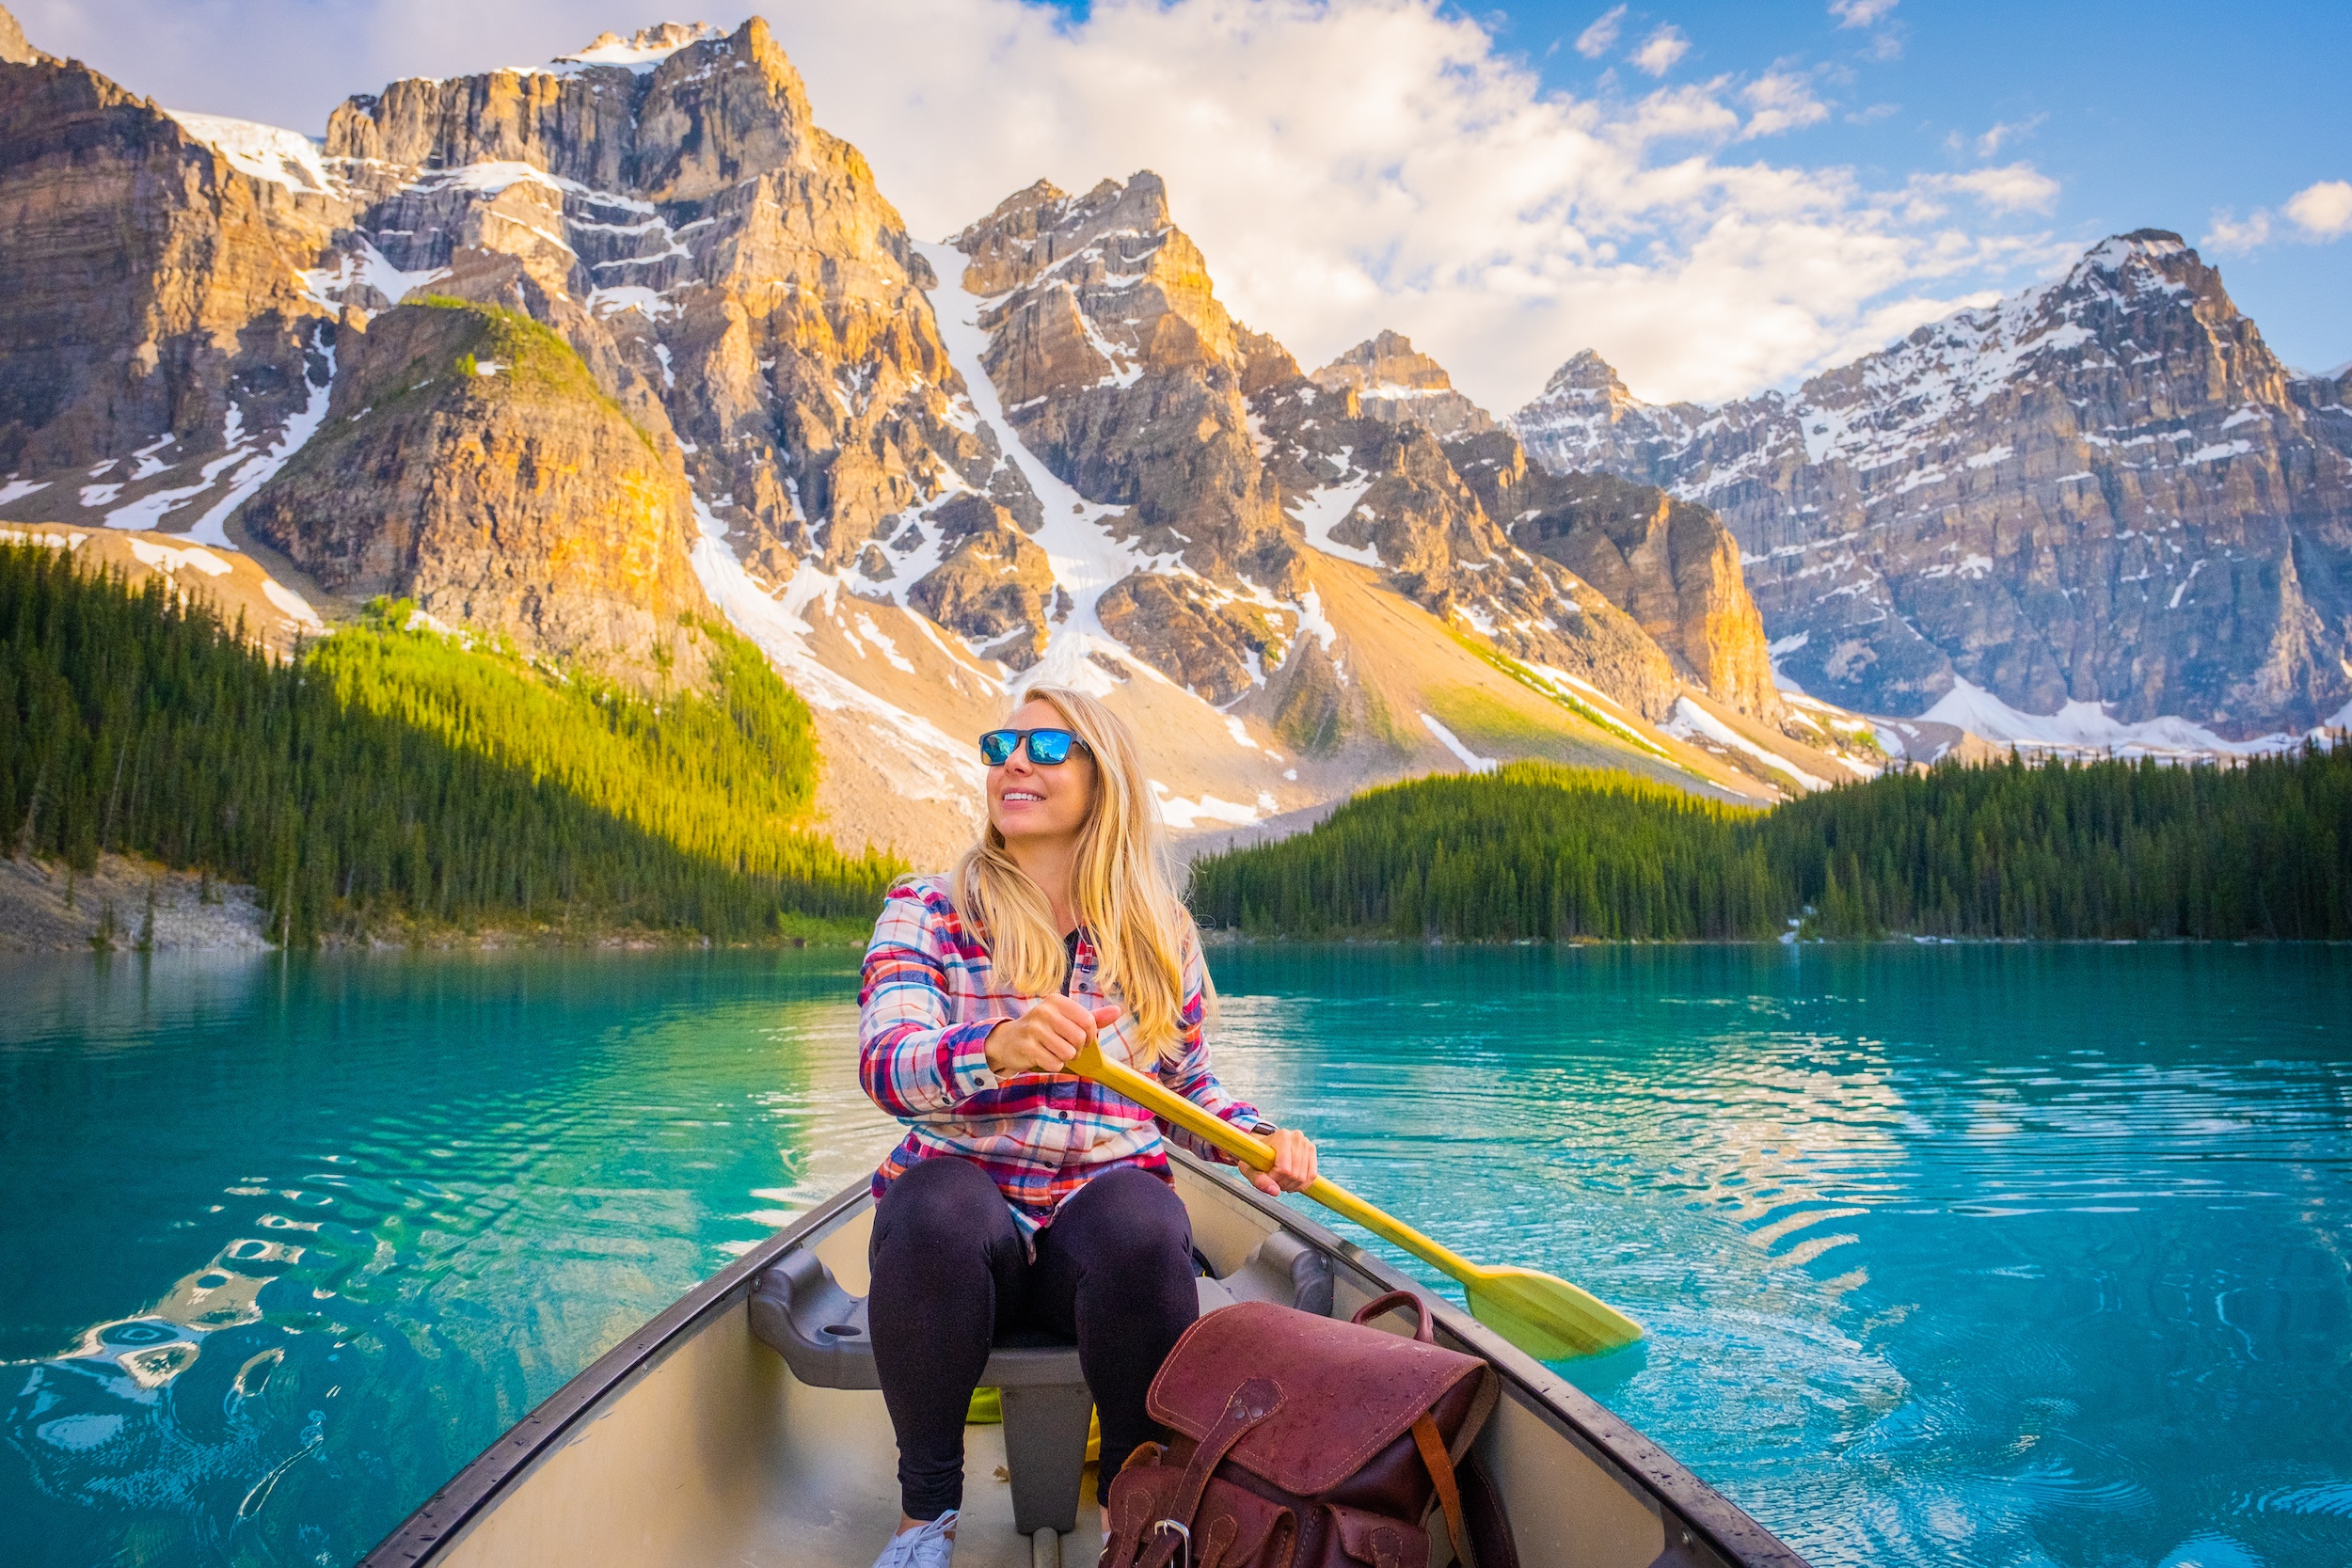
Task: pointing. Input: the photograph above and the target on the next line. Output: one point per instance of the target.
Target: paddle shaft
(1258, 1155)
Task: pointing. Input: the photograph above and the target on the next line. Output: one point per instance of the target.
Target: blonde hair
(1120, 889)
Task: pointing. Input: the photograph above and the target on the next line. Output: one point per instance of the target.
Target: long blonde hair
(1120, 889)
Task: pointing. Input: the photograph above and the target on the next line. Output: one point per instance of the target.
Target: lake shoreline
(1225, 938)
(128, 904)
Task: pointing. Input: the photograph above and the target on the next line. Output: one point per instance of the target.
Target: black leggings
(1114, 1272)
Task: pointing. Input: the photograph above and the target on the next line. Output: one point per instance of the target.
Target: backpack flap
(1346, 1393)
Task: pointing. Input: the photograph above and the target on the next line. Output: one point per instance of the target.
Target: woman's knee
(1132, 1221)
(941, 1206)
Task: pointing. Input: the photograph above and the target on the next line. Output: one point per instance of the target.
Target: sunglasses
(1047, 747)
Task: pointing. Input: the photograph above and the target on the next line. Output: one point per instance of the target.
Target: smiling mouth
(1011, 795)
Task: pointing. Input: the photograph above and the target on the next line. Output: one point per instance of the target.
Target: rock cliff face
(469, 462)
(568, 353)
(13, 49)
(726, 268)
(2105, 490)
(1386, 494)
(1114, 364)
(1394, 382)
(1670, 565)
(156, 334)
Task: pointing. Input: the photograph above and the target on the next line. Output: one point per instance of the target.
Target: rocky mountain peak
(1387, 360)
(643, 49)
(2102, 490)
(1587, 373)
(13, 49)
(1393, 382)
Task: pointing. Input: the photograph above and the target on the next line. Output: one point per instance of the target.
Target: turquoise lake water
(1951, 1254)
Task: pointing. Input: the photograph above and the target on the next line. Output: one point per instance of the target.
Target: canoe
(740, 1426)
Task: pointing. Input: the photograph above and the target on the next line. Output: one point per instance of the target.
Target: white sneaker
(929, 1544)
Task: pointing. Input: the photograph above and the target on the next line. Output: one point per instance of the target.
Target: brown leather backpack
(1301, 1442)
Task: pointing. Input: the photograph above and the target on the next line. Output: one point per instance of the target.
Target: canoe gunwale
(1705, 1515)
(1638, 1463)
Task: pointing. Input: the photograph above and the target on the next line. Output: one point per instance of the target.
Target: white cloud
(2226, 234)
(2006, 188)
(1346, 165)
(1860, 13)
(1663, 48)
(1781, 102)
(2323, 210)
(2320, 213)
(2003, 133)
(1601, 37)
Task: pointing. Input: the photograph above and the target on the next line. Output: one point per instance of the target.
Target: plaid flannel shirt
(927, 1004)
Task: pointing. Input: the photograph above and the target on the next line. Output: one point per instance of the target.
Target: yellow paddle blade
(1548, 1318)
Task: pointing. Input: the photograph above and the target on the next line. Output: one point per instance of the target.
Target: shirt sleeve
(1187, 1069)
(912, 1058)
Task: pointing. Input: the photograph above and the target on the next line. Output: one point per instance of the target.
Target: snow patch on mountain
(1452, 742)
(1694, 723)
(931, 765)
(269, 153)
(1321, 511)
(2088, 727)
(1086, 559)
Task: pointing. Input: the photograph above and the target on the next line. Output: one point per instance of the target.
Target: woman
(1024, 1194)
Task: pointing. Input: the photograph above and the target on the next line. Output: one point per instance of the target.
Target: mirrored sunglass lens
(996, 747)
(1049, 747)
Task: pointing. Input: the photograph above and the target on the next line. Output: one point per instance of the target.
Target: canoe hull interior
(692, 1444)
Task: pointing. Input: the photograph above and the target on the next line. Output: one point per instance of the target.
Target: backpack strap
(1252, 1402)
(1432, 1446)
(1396, 1300)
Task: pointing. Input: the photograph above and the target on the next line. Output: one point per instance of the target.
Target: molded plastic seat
(799, 1307)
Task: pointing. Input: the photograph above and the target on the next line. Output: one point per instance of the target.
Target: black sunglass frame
(1021, 739)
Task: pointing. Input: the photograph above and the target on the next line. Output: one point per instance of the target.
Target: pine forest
(391, 778)
(2058, 851)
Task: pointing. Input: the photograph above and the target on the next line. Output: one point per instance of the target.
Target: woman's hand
(1046, 1038)
(1294, 1164)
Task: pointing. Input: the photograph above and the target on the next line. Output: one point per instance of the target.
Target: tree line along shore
(401, 783)
(391, 782)
(2058, 851)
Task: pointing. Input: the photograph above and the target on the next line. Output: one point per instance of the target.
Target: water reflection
(1955, 1255)
(393, 1203)
(1950, 1256)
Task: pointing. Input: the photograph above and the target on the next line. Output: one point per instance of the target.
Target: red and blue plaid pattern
(927, 1004)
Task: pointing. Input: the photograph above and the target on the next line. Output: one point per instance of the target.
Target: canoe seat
(798, 1308)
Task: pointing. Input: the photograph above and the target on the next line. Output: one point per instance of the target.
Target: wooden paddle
(1546, 1317)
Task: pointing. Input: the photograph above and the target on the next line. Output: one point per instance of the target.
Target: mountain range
(2103, 493)
(574, 355)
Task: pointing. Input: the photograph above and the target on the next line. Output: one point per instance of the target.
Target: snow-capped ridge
(643, 49)
(269, 153)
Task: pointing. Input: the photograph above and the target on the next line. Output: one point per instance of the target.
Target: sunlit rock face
(1668, 564)
(470, 463)
(580, 354)
(2105, 489)
(154, 315)
(1396, 383)
(726, 267)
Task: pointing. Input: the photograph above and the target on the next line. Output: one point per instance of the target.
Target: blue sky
(2155, 114)
(1719, 198)
(2147, 115)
